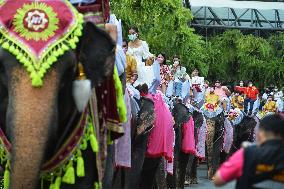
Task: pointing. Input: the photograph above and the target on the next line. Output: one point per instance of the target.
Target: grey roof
(238, 4)
(240, 14)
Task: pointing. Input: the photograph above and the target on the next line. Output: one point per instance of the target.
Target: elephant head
(244, 132)
(34, 119)
(180, 113)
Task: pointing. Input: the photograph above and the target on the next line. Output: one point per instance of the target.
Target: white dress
(145, 73)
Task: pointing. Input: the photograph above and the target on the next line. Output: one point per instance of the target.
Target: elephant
(181, 116)
(191, 172)
(214, 142)
(244, 131)
(142, 123)
(186, 163)
(38, 121)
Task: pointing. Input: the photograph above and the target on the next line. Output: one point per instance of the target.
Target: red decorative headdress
(38, 32)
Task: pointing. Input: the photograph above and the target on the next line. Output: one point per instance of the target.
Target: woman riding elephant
(215, 122)
(40, 116)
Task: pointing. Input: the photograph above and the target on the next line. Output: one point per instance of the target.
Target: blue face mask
(132, 37)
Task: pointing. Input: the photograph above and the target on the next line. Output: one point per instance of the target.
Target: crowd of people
(174, 81)
(166, 82)
(153, 77)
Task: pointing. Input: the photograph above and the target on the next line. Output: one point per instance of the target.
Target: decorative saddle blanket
(38, 32)
(235, 116)
(211, 110)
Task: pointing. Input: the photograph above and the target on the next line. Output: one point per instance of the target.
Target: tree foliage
(228, 57)
(164, 25)
(234, 56)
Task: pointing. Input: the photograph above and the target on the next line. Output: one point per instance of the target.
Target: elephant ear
(96, 52)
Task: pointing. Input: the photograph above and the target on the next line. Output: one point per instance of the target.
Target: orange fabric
(251, 92)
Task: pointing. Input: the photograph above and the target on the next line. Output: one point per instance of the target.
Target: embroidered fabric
(228, 136)
(200, 147)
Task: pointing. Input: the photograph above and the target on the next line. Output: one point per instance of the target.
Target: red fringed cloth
(108, 113)
(97, 13)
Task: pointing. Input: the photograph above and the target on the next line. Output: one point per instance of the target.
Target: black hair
(218, 81)
(165, 57)
(273, 123)
(124, 40)
(134, 28)
(176, 56)
(144, 88)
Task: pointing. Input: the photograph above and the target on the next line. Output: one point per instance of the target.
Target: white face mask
(160, 60)
(132, 37)
(250, 85)
(176, 63)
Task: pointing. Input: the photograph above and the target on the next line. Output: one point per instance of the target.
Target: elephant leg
(148, 173)
(133, 175)
(216, 155)
(183, 161)
(193, 171)
(119, 178)
(161, 182)
(218, 143)
(172, 180)
(209, 144)
(108, 176)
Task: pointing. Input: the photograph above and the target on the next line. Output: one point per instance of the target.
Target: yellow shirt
(212, 99)
(270, 106)
(131, 67)
(238, 102)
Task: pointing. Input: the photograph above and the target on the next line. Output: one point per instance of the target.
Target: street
(204, 183)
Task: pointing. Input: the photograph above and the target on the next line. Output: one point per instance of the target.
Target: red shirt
(251, 92)
(240, 89)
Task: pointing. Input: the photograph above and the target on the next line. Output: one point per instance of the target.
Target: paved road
(204, 183)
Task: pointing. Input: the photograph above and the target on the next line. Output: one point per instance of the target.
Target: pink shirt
(233, 168)
(220, 92)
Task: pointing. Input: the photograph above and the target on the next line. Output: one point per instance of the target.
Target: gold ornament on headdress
(81, 74)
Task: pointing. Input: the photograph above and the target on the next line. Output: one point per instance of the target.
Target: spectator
(241, 88)
(131, 65)
(270, 106)
(179, 74)
(251, 93)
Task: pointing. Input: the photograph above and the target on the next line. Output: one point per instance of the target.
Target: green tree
(164, 24)
(223, 59)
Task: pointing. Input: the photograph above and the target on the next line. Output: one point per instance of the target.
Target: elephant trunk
(32, 111)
